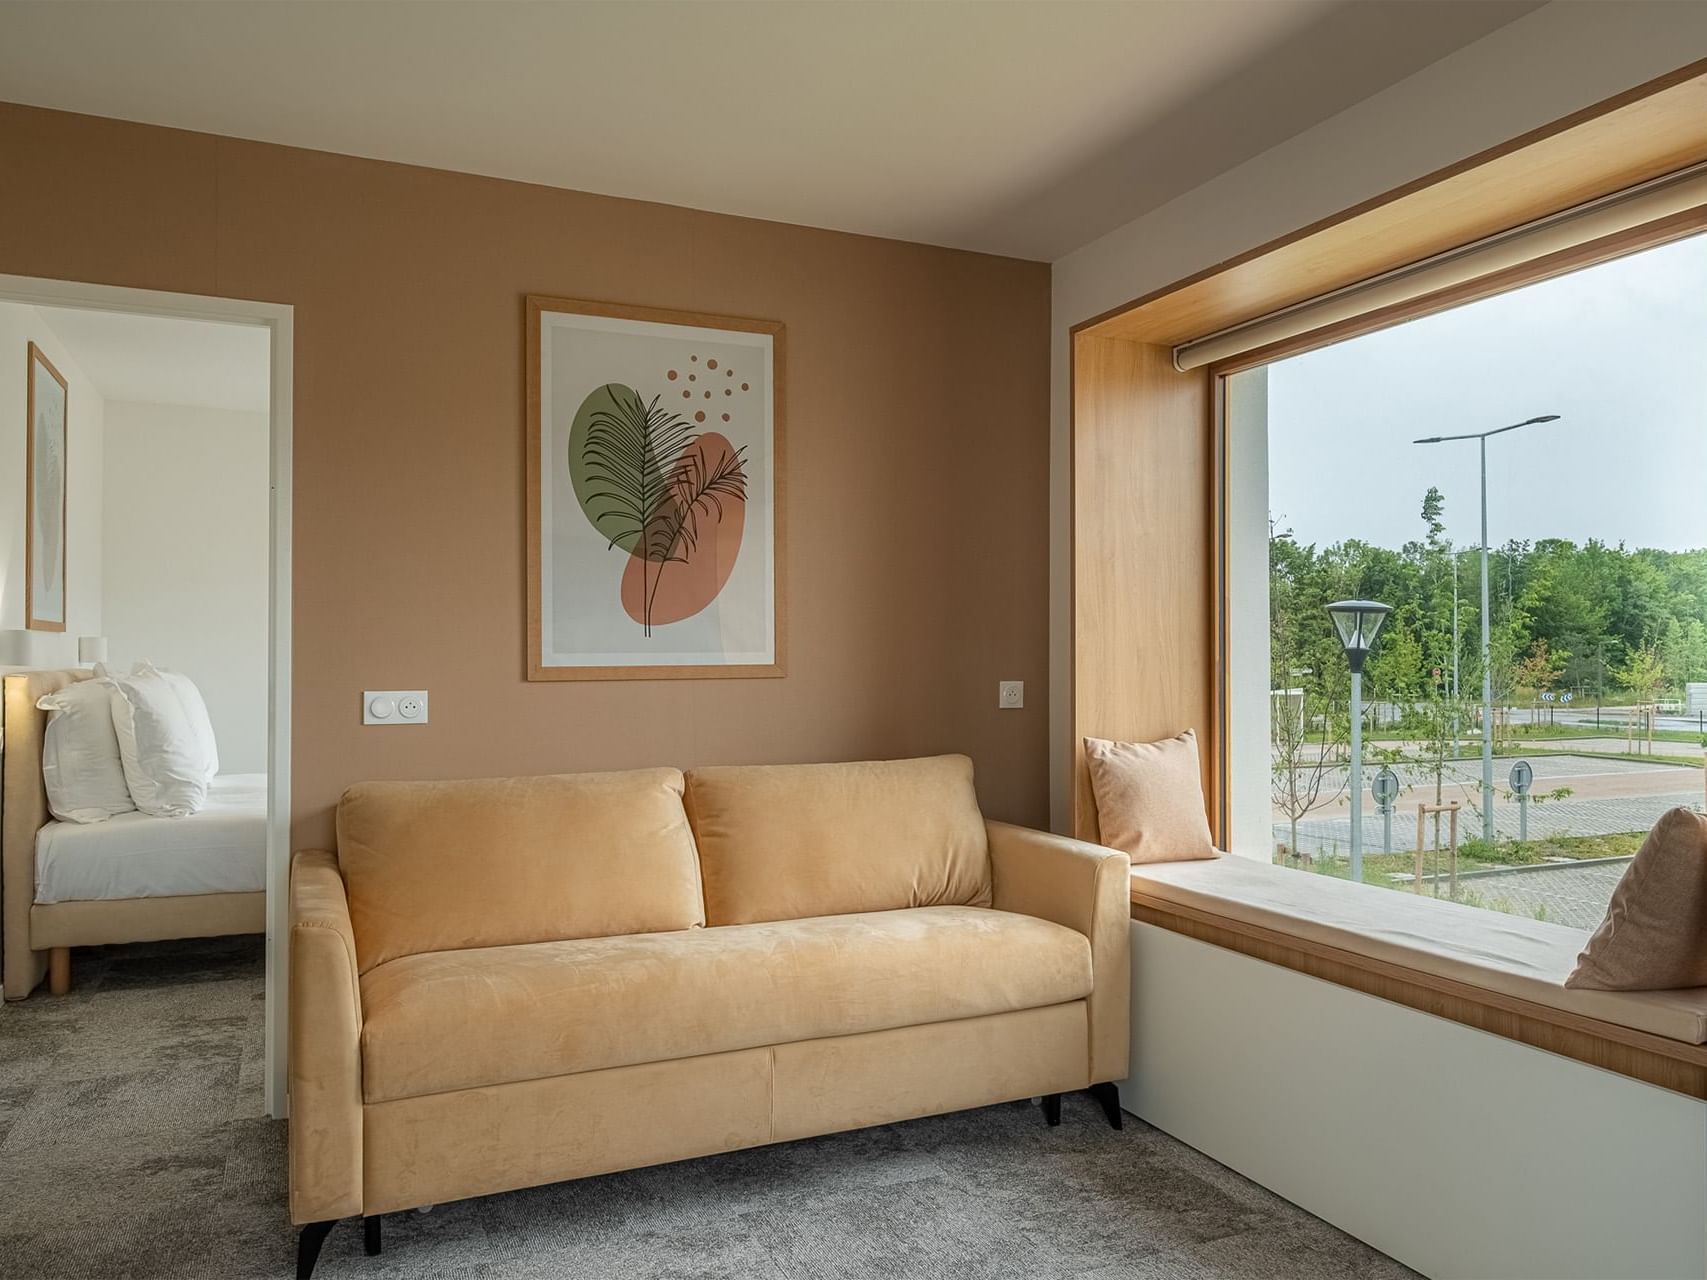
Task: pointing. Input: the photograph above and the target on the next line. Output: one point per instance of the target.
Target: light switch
(394, 706)
(1010, 695)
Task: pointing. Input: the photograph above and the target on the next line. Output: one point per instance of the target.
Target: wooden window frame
(1146, 661)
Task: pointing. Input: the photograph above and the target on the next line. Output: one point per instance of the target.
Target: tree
(1302, 761)
(1642, 674)
(1396, 669)
(1538, 670)
(1683, 651)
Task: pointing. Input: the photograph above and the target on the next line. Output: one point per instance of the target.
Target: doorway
(272, 737)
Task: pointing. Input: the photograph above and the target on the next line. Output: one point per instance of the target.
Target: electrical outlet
(394, 706)
(1010, 695)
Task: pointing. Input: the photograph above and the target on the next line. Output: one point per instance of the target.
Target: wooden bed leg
(59, 971)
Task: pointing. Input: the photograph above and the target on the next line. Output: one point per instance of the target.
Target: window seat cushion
(1511, 955)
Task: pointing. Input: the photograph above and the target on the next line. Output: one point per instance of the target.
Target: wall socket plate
(1010, 695)
(394, 706)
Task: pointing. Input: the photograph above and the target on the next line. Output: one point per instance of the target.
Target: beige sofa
(503, 983)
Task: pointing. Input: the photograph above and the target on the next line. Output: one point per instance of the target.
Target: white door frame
(276, 317)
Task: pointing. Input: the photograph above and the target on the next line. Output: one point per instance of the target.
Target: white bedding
(221, 849)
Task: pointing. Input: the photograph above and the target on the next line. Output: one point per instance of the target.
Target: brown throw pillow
(1654, 937)
(1149, 798)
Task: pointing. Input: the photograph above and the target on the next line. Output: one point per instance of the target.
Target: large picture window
(1550, 727)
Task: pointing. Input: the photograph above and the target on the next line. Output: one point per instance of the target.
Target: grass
(1536, 732)
(1510, 853)
(1511, 751)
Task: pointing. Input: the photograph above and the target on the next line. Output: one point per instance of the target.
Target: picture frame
(47, 415)
(655, 493)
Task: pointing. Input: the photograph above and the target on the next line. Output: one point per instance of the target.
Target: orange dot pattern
(710, 363)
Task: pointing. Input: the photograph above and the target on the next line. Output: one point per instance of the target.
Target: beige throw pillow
(1654, 937)
(1149, 798)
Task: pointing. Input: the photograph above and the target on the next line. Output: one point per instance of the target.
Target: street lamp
(1357, 622)
(1481, 437)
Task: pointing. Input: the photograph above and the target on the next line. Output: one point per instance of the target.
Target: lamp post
(1481, 438)
(1357, 622)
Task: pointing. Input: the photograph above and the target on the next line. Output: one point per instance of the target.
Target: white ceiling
(1028, 127)
(155, 360)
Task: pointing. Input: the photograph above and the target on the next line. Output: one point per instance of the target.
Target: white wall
(1556, 60)
(85, 410)
(186, 559)
(1461, 1154)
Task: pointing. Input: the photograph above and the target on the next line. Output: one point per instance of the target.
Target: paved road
(1564, 893)
(1607, 797)
(1588, 778)
(1554, 818)
(1687, 750)
(1613, 717)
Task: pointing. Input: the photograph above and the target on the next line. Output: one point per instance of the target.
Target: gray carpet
(130, 1147)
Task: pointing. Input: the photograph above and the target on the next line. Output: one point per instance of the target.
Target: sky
(1618, 350)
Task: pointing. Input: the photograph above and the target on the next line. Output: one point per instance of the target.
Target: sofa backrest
(440, 866)
(783, 842)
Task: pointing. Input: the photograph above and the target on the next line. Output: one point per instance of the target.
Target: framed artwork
(44, 503)
(654, 493)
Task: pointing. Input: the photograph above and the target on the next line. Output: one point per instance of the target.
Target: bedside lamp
(16, 648)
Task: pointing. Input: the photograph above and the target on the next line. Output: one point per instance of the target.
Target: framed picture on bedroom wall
(44, 502)
(654, 493)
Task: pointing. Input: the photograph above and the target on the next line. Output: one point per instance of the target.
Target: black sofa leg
(1108, 1097)
(308, 1246)
(1052, 1109)
(370, 1235)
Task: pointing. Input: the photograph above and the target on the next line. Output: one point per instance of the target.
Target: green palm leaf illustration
(626, 458)
(642, 483)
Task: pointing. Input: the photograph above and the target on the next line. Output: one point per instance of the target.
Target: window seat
(1480, 967)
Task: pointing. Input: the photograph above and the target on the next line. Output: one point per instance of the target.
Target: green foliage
(1642, 674)
(1588, 618)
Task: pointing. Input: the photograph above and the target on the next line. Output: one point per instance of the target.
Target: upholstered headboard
(23, 811)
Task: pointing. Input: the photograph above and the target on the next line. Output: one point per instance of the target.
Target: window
(1596, 588)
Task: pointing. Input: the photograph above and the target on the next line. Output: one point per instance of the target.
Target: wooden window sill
(1653, 1059)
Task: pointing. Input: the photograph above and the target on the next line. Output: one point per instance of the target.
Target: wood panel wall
(1143, 583)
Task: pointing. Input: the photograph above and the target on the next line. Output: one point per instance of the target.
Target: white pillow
(196, 709)
(165, 740)
(80, 754)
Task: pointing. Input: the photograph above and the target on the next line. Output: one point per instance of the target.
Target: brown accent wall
(917, 451)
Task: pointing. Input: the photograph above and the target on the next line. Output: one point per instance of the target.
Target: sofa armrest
(325, 1045)
(1083, 887)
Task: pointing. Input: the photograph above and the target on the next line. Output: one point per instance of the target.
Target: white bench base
(1460, 1153)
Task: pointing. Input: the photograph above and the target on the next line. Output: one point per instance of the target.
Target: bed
(132, 878)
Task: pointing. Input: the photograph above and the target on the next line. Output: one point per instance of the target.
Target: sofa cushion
(462, 1019)
(439, 866)
(782, 842)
